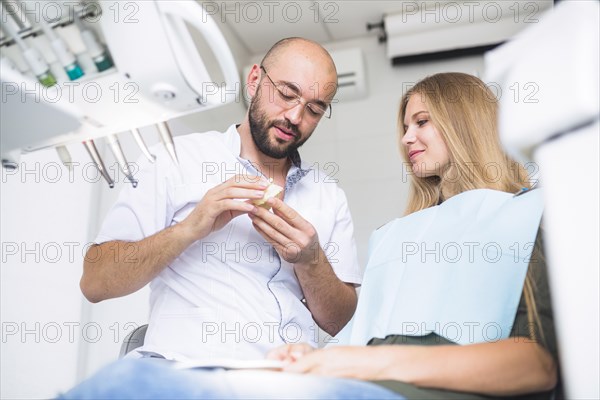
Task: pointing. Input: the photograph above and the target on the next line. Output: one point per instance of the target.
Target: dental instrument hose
(65, 56)
(99, 53)
(34, 59)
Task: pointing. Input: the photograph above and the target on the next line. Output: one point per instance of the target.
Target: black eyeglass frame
(297, 96)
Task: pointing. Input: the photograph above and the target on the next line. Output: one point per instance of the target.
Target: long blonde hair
(464, 111)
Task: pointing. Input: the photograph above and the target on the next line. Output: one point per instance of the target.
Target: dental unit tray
(158, 75)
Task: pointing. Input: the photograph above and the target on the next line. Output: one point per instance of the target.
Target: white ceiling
(259, 24)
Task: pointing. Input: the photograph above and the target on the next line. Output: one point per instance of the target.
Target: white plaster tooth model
(271, 191)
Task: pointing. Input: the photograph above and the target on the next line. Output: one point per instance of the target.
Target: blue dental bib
(456, 269)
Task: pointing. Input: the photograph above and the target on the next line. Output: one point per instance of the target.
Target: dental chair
(556, 124)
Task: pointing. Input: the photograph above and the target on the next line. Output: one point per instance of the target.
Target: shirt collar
(297, 171)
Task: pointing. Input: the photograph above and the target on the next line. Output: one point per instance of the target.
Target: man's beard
(259, 129)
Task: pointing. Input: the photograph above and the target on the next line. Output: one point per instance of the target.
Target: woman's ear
(252, 80)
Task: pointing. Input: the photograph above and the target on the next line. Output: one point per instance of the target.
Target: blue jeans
(148, 378)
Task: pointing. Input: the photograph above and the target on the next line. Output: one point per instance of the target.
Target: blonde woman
(449, 138)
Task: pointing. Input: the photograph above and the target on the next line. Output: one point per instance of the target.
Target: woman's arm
(507, 367)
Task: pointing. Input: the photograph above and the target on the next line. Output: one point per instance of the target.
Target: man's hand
(293, 237)
(219, 205)
(108, 277)
(330, 301)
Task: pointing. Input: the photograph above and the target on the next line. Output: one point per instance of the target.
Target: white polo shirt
(229, 294)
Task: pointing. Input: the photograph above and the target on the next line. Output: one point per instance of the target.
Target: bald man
(228, 278)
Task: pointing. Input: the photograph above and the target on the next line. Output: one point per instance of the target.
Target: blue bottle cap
(74, 71)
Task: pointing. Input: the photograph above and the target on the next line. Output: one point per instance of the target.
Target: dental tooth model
(271, 191)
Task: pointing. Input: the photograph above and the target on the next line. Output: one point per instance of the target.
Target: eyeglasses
(287, 98)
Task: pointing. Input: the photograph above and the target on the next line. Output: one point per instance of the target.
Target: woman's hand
(358, 362)
(290, 352)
